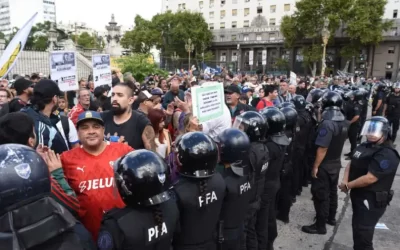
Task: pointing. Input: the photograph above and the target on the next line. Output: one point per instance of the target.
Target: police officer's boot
(318, 227)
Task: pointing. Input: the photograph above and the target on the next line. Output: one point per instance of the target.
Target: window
(258, 37)
(272, 21)
(223, 57)
(211, 3)
(234, 24)
(222, 25)
(391, 50)
(222, 2)
(259, 10)
(211, 14)
(272, 36)
(201, 4)
(222, 14)
(234, 12)
(246, 23)
(389, 65)
(234, 57)
(184, 6)
(233, 37)
(394, 13)
(272, 8)
(211, 26)
(246, 11)
(245, 37)
(221, 38)
(286, 7)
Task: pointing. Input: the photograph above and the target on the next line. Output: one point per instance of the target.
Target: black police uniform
(276, 144)
(353, 109)
(380, 95)
(382, 161)
(393, 113)
(255, 126)
(38, 221)
(151, 218)
(199, 193)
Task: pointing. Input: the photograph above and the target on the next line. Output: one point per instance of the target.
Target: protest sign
(293, 78)
(208, 101)
(101, 70)
(63, 69)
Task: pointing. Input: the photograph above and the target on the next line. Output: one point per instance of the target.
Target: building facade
(14, 13)
(246, 37)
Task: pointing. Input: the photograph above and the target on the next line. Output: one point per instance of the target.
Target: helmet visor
(309, 97)
(396, 85)
(241, 124)
(373, 130)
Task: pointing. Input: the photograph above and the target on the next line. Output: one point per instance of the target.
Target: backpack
(65, 127)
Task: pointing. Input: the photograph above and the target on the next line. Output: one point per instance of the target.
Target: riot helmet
(287, 105)
(197, 155)
(315, 95)
(331, 100)
(396, 87)
(275, 120)
(142, 178)
(234, 146)
(376, 128)
(358, 95)
(253, 124)
(290, 117)
(309, 107)
(299, 102)
(24, 176)
(349, 96)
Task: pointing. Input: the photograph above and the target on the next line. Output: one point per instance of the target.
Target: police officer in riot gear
(277, 143)
(369, 177)
(234, 146)
(379, 99)
(25, 198)
(284, 200)
(287, 105)
(353, 112)
(255, 126)
(313, 97)
(305, 124)
(364, 104)
(150, 217)
(331, 135)
(392, 108)
(199, 193)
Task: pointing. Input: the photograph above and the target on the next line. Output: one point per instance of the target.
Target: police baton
(220, 234)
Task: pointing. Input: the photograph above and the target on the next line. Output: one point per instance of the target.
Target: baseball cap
(144, 96)
(157, 91)
(246, 89)
(21, 84)
(232, 89)
(89, 115)
(46, 89)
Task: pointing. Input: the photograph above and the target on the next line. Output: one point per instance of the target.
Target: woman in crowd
(162, 137)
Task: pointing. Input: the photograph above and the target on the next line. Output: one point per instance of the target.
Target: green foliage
(140, 65)
(86, 40)
(168, 32)
(282, 64)
(2, 36)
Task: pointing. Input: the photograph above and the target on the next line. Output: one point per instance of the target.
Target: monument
(113, 37)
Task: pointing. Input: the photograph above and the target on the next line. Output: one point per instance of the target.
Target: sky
(97, 13)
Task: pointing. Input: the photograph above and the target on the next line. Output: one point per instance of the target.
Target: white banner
(293, 78)
(101, 70)
(208, 101)
(264, 57)
(15, 47)
(63, 69)
(251, 57)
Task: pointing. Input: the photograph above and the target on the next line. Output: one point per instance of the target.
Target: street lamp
(325, 37)
(175, 58)
(52, 34)
(203, 48)
(189, 46)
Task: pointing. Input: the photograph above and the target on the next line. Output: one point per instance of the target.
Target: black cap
(98, 91)
(232, 89)
(21, 84)
(46, 89)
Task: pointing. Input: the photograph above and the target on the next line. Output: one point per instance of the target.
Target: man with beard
(82, 106)
(44, 103)
(126, 125)
(24, 90)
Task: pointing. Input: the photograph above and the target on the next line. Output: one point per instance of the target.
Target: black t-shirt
(379, 96)
(132, 129)
(393, 105)
(16, 105)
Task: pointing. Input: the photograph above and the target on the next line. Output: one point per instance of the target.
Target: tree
(360, 20)
(140, 65)
(2, 36)
(168, 32)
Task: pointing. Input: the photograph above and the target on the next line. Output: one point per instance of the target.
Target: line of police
(227, 193)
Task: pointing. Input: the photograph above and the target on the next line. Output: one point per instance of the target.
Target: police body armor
(235, 204)
(360, 161)
(201, 211)
(135, 229)
(287, 168)
(302, 134)
(41, 225)
(275, 166)
(259, 158)
(393, 105)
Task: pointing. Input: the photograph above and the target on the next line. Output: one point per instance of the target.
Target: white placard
(293, 78)
(208, 101)
(63, 69)
(101, 70)
(264, 57)
(251, 57)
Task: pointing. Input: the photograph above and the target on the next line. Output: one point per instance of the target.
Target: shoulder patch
(105, 241)
(323, 132)
(384, 164)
